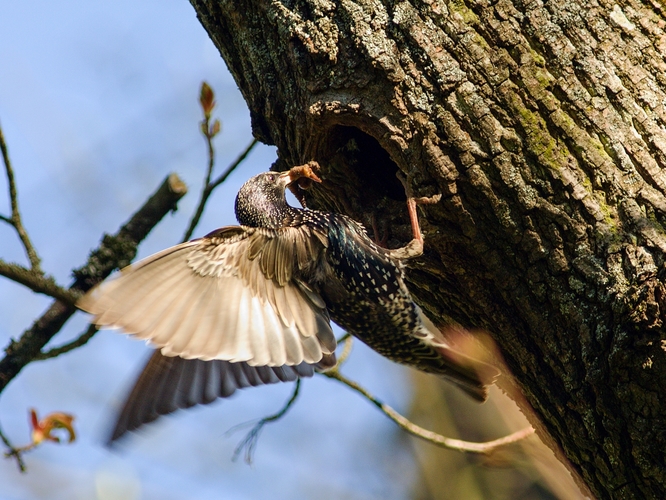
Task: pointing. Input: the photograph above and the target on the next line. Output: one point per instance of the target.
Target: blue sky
(98, 103)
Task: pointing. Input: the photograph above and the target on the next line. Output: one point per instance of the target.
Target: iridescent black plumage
(255, 299)
(362, 285)
(261, 202)
(365, 293)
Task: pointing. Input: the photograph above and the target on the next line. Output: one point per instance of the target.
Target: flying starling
(251, 304)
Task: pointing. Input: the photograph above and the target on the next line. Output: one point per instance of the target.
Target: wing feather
(283, 264)
(232, 295)
(238, 350)
(199, 326)
(194, 323)
(145, 308)
(227, 299)
(178, 319)
(169, 383)
(267, 259)
(258, 343)
(134, 304)
(274, 336)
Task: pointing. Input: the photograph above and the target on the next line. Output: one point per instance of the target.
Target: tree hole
(360, 181)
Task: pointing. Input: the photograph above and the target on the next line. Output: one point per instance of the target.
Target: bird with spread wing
(252, 304)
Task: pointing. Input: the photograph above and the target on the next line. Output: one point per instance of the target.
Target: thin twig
(211, 150)
(206, 190)
(209, 131)
(249, 443)
(343, 338)
(15, 219)
(78, 342)
(209, 134)
(12, 451)
(223, 176)
(210, 186)
(37, 282)
(346, 351)
(420, 432)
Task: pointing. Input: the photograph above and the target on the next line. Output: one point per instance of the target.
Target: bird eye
(271, 177)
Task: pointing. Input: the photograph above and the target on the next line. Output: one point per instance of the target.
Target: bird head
(261, 200)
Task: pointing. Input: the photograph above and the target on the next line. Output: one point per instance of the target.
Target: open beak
(285, 178)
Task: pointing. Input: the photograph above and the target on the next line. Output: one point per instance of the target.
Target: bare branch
(37, 282)
(78, 342)
(208, 134)
(12, 451)
(15, 219)
(234, 164)
(420, 432)
(114, 252)
(249, 443)
(210, 186)
(348, 340)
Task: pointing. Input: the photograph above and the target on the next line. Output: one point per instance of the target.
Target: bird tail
(467, 373)
(461, 365)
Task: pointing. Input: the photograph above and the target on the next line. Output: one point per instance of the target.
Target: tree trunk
(543, 125)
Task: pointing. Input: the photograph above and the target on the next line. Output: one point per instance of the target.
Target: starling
(251, 304)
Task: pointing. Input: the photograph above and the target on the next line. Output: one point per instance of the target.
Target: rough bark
(543, 124)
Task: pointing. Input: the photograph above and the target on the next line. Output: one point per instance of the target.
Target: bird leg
(415, 247)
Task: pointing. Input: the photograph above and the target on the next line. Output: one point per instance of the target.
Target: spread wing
(233, 295)
(167, 384)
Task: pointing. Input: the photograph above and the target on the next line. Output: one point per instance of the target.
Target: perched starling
(251, 304)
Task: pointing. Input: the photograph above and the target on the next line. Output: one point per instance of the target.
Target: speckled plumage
(363, 286)
(255, 300)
